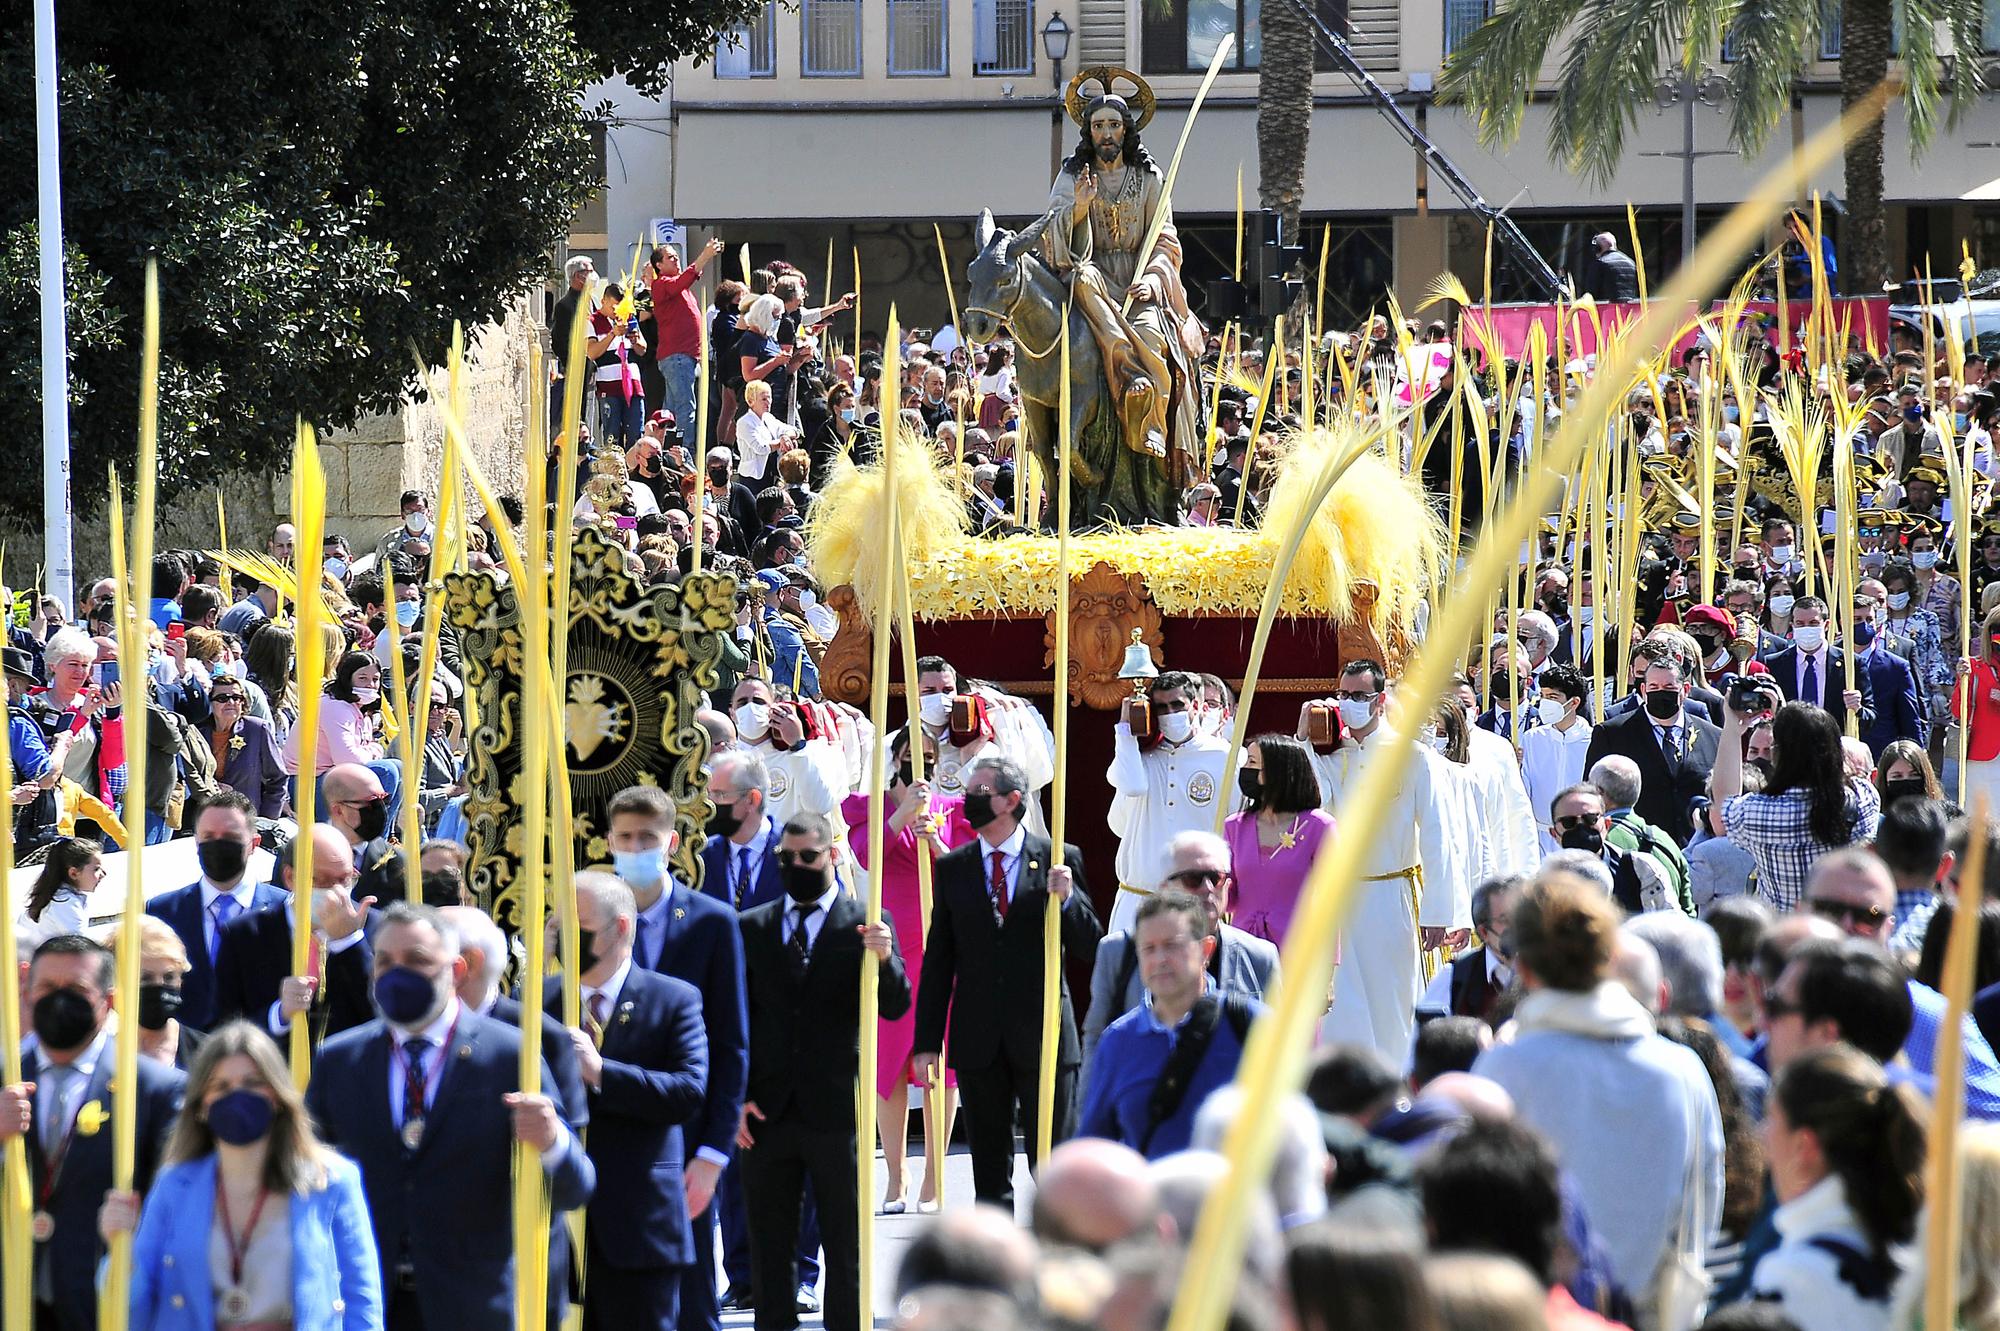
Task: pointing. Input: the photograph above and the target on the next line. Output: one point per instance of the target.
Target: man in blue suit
(224, 835)
(63, 1110)
(253, 955)
(692, 937)
(1809, 670)
(1894, 684)
(644, 1061)
(740, 861)
(427, 1100)
(740, 869)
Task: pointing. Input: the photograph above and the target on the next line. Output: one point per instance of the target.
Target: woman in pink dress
(1273, 842)
(910, 810)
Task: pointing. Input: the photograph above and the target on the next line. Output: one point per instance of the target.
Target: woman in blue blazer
(252, 1224)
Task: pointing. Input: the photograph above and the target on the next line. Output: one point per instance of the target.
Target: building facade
(844, 128)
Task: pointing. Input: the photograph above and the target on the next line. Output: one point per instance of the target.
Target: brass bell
(1138, 666)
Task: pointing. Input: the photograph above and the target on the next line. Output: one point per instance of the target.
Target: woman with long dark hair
(1808, 806)
(1274, 840)
(60, 902)
(1847, 1163)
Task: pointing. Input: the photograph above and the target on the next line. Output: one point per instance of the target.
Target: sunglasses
(214, 698)
(808, 858)
(1570, 821)
(1842, 913)
(1194, 878)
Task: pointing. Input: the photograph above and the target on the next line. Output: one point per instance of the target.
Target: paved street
(894, 1232)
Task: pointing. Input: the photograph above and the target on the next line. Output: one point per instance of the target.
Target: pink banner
(1866, 317)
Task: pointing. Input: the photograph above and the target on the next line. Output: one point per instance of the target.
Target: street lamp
(1055, 42)
(1055, 45)
(1687, 89)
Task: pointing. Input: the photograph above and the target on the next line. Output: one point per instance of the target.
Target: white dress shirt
(436, 1065)
(1010, 862)
(815, 921)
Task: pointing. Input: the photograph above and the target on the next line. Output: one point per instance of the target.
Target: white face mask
(752, 720)
(1782, 605)
(1899, 600)
(1925, 559)
(1809, 637)
(1356, 715)
(1550, 710)
(935, 709)
(336, 567)
(363, 697)
(1584, 615)
(1177, 727)
(416, 522)
(1782, 554)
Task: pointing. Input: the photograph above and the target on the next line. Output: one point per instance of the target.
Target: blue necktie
(742, 875)
(1809, 687)
(225, 909)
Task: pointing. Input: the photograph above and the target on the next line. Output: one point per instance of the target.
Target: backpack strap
(1127, 969)
(1871, 1274)
(1171, 1090)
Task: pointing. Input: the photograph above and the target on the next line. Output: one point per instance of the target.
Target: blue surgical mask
(406, 997)
(1731, 412)
(847, 414)
(640, 868)
(406, 613)
(1958, 420)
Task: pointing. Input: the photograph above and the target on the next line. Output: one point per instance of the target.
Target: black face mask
(371, 820)
(718, 475)
(1584, 837)
(1901, 786)
(1557, 606)
(802, 884)
(586, 948)
(222, 860)
(64, 1019)
(979, 810)
(1707, 645)
(157, 1005)
(724, 821)
(1251, 783)
(1663, 704)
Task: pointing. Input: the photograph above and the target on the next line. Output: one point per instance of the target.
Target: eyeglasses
(1845, 913)
(808, 858)
(1351, 695)
(1570, 821)
(362, 804)
(1199, 878)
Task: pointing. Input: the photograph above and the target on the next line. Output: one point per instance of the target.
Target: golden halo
(1104, 76)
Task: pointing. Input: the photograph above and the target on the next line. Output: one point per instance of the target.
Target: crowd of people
(1635, 1019)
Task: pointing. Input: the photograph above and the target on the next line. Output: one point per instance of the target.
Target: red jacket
(1983, 743)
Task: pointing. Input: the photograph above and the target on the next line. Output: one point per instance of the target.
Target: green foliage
(1608, 55)
(325, 185)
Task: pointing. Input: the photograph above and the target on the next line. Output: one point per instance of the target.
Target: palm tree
(1612, 53)
(1284, 109)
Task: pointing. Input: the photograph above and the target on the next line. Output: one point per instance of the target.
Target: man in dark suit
(427, 1100)
(644, 1060)
(225, 833)
(1898, 713)
(485, 951)
(63, 1110)
(359, 807)
(254, 979)
(983, 961)
(692, 937)
(1673, 750)
(739, 868)
(1608, 275)
(1809, 670)
(802, 959)
(740, 861)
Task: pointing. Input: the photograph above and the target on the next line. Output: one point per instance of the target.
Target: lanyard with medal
(234, 1303)
(413, 1124)
(43, 1224)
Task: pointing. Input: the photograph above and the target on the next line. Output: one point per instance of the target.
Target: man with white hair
(1536, 633)
(1242, 963)
(1617, 776)
(1608, 275)
(486, 955)
(578, 273)
(1690, 961)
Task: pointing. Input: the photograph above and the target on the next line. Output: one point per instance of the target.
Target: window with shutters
(749, 50)
(1461, 18)
(830, 38)
(1181, 37)
(917, 43)
(1003, 36)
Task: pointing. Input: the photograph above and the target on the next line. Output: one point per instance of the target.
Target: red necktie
(997, 885)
